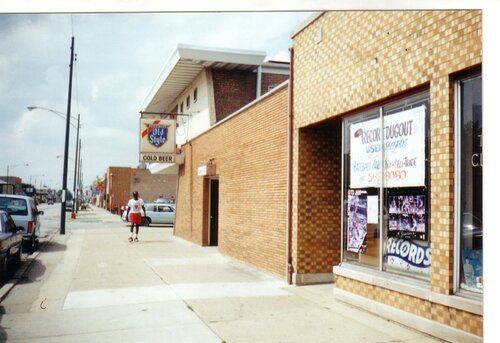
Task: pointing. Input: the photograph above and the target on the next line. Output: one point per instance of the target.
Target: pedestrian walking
(134, 208)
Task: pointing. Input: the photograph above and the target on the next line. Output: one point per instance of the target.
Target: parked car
(156, 214)
(11, 242)
(50, 202)
(69, 205)
(25, 214)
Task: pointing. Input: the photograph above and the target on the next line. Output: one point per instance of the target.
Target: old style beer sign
(157, 137)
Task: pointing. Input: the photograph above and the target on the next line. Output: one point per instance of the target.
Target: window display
(385, 186)
(407, 216)
(471, 183)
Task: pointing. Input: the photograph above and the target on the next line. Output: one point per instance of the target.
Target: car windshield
(14, 206)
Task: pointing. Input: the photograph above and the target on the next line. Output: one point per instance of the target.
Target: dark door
(214, 212)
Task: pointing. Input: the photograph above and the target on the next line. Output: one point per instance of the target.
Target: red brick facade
(233, 89)
(271, 80)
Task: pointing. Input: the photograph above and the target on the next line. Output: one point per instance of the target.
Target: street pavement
(92, 285)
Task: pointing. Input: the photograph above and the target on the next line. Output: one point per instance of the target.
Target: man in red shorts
(134, 208)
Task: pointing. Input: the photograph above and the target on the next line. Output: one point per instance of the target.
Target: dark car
(11, 242)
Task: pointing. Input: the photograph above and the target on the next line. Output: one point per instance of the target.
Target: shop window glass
(385, 187)
(361, 220)
(471, 184)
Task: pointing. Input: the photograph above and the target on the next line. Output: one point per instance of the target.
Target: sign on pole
(157, 140)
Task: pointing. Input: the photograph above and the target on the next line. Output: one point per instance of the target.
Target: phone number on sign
(389, 175)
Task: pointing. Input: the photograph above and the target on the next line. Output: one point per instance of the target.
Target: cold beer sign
(157, 140)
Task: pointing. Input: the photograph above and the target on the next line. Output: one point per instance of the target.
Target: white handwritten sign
(403, 139)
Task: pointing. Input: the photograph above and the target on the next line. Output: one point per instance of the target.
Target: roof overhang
(186, 63)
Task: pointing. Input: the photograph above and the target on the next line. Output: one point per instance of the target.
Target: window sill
(407, 285)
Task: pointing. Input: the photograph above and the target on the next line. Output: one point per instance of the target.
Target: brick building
(11, 185)
(232, 188)
(205, 85)
(228, 100)
(387, 185)
(120, 182)
(364, 170)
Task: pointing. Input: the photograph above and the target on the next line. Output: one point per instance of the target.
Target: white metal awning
(186, 63)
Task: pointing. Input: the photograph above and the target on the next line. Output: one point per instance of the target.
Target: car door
(7, 239)
(165, 214)
(152, 213)
(14, 238)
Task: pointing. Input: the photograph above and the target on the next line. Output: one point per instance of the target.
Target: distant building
(120, 182)
(11, 185)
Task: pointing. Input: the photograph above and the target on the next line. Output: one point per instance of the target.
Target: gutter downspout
(289, 264)
(259, 83)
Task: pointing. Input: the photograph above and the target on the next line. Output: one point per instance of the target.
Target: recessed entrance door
(214, 213)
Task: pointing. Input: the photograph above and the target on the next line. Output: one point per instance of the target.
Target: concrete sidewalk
(92, 285)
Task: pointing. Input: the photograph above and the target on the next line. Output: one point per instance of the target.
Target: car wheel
(145, 221)
(19, 254)
(3, 267)
(33, 243)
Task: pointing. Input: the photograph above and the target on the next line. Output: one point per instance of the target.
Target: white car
(25, 214)
(156, 214)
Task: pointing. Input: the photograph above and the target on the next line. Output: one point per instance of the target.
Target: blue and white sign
(158, 135)
(157, 140)
(408, 255)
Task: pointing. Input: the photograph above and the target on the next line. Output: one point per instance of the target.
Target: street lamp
(15, 165)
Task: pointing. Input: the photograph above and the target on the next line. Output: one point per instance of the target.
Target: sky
(118, 58)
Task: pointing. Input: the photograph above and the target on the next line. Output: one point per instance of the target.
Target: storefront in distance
(387, 164)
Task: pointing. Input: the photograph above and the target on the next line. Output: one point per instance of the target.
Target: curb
(18, 275)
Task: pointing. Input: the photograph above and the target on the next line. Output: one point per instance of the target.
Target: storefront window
(471, 182)
(361, 193)
(392, 194)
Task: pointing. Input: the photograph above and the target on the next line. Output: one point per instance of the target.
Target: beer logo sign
(157, 140)
(157, 134)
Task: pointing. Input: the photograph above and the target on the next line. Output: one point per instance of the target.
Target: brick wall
(250, 154)
(125, 180)
(365, 57)
(152, 186)
(319, 190)
(117, 187)
(233, 89)
(271, 80)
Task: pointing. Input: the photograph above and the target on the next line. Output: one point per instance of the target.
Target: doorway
(214, 213)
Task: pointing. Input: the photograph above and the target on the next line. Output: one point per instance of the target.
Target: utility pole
(66, 143)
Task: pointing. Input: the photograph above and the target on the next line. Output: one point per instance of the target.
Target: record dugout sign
(157, 140)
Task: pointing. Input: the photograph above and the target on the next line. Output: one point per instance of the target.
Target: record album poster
(407, 215)
(357, 219)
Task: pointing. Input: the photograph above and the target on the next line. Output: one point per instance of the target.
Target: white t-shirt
(135, 205)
